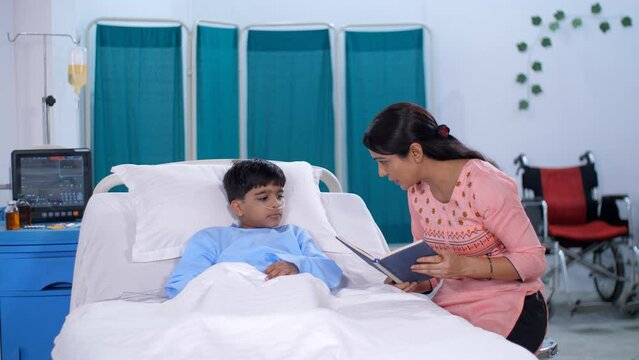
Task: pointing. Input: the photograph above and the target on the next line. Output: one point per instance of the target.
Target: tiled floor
(600, 333)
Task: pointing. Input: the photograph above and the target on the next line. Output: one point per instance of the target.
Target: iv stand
(47, 100)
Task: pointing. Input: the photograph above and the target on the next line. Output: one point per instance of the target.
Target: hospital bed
(119, 310)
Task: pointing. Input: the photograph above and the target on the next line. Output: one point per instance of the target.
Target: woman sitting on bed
(470, 212)
(255, 191)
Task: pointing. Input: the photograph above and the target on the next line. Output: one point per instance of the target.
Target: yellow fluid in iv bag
(78, 76)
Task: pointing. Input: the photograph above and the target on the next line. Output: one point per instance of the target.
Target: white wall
(589, 79)
(29, 69)
(21, 80)
(8, 123)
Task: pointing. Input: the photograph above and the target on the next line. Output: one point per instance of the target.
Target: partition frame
(338, 62)
(193, 84)
(188, 123)
(243, 83)
(341, 55)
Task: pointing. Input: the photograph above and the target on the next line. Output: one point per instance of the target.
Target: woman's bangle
(490, 261)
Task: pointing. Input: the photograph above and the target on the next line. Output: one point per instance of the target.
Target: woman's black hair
(399, 125)
(245, 175)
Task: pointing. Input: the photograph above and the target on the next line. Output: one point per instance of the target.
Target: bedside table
(36, 272)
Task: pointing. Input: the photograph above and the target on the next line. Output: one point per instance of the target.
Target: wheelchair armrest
(536, 201)
(616, 197)
(537, 212)
(588, 156)
(521, 161)
(610, 210)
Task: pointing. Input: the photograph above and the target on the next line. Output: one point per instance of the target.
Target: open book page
(371, 260)
(396, 264)
(403, 248)
(355, 248)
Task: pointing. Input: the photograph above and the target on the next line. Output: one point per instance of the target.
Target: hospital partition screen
(289, 89)
(275, 91)
(217, 129)
(139, 97)
(382, 67)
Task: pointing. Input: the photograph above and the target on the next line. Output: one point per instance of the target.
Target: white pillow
(173, 201)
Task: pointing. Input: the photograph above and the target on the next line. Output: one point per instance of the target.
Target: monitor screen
(56, 182)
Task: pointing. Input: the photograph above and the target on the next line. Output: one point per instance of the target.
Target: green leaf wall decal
(596, 8)
(544, 37)
(576, 22)
(536, 20)
(536, 89)
(522, 46)
(521, 78)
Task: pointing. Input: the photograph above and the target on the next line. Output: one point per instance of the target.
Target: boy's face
(262, 207)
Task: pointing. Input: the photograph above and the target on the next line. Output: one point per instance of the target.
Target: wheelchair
(576, 225)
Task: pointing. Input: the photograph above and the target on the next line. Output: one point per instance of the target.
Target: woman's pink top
(484, 217)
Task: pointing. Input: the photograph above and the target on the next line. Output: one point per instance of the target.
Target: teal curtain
(381, 68)
(139, 106)
(290, 96)
(217, 93)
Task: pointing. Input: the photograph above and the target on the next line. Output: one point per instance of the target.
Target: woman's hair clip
(443, 130)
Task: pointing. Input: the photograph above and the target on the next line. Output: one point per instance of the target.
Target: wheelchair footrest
(549, 349)
(590, 306)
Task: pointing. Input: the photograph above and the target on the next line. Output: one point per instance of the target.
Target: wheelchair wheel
(608, 288)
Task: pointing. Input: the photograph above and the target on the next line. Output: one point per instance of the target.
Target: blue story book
(396, 264)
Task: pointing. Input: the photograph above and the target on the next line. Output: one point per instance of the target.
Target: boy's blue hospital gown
(259, 247)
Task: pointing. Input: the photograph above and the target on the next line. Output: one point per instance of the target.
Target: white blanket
(231, 312)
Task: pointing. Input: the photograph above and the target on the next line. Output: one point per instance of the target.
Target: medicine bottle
(24, 208)
(12, 216)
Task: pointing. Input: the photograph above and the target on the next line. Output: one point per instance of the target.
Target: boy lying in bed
(255, 191)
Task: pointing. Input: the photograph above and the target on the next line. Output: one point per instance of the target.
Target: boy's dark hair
(245, 175)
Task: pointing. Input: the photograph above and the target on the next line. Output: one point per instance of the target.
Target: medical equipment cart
(36, 271)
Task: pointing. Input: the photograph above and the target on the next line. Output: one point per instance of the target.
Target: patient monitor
(56, 182)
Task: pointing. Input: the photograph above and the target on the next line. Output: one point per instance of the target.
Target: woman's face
(403, 171)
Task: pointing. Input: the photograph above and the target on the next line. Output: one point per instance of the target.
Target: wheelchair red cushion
(592, 231)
